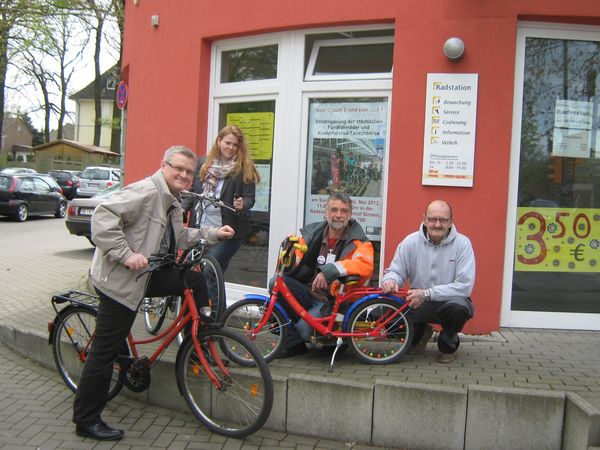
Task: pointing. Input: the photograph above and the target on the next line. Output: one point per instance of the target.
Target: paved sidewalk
(36, 408)
(40, 263)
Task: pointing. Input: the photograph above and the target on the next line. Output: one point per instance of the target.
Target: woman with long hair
(228, 173)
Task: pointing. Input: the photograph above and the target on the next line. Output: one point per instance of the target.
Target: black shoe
(299, 349)
(99, 431)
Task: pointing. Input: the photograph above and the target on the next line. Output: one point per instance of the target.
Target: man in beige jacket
(144, 218)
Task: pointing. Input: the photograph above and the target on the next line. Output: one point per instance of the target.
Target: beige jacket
(134, 220)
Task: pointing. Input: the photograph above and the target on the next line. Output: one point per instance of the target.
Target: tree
(12, 13)
(49, 59)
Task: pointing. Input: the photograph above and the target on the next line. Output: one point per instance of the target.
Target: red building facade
(507, 133)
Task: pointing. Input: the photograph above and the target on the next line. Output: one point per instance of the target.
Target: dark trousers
(112, 327)
(113, 324)
(451, 315)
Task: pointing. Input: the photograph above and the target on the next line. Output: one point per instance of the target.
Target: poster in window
(346, 147)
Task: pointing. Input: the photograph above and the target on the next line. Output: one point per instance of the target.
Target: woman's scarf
(215, 172)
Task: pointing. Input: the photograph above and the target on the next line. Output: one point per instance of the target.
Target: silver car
(95, 179)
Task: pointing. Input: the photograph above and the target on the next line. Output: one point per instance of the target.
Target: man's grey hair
(341, 196)
(181, 149)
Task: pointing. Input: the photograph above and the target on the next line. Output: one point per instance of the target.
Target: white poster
(261, 202)
(572, 136)
(346, 145)
(450, 118)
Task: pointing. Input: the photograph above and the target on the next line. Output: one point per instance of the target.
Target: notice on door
(450, 116)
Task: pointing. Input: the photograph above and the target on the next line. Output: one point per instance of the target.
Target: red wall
(168, 70)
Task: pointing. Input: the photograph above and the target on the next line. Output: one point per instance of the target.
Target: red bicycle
(234, 401)
(375, 326)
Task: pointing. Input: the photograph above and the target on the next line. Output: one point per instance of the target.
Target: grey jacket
(134, 220)
(448, 269)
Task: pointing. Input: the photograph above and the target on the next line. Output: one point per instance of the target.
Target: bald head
(439, 205)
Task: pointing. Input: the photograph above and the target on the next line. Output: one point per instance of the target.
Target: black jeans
(451, 315)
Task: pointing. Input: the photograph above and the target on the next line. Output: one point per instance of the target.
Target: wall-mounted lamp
(154, 21)
(136, 2)
(454, 49)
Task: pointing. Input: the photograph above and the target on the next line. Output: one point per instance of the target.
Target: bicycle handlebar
(206, 198)
(190, 258)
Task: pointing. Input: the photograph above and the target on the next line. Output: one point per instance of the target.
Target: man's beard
(337, 226)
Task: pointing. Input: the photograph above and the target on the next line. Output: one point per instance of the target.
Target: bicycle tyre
(243, 402)
(71, 341)
(379, 349)
(155, 312)
(244, 315)
(215, 283)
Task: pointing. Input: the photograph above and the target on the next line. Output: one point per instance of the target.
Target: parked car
(68, 180)
(80, 210)
(15, 170)
(94, 180)
(22, 195)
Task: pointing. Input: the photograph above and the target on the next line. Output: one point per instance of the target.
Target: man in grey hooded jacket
(144, 218)
(439, 264)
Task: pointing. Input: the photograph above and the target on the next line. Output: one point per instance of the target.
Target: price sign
(558, 240)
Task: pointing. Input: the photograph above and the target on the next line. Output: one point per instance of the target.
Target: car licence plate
(86, 211)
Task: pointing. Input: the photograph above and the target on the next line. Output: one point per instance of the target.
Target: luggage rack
(76, 298)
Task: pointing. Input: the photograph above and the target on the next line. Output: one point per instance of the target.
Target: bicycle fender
(52, 325)
(265, 299)
(364, 299)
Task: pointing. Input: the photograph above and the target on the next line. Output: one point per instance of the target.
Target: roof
(85, 147)
(87, 93)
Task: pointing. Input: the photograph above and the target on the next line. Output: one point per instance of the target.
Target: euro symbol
(577, 252)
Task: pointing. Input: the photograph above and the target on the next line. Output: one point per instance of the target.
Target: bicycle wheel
(389, 343)
(242, 403)
(71, 343)
(216, 285)
(155, 311)
(243, 316)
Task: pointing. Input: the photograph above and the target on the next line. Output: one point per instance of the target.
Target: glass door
(556, 261)
(346, 151)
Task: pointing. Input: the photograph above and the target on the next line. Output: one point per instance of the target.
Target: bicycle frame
(188, 313)
(324, 325)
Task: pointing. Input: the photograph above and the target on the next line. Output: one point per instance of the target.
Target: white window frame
(290, 92)
(534, 319)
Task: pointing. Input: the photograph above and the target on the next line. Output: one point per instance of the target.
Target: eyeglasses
(181, 170)
(442, 220)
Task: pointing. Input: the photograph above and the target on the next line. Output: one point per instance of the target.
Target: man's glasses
(442, 220)
(182, 170)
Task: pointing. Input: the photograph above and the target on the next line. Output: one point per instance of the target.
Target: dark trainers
(421, 344)
(296, 350)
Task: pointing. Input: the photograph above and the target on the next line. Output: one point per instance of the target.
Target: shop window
(257, 121)
(350, 57)
(249, 64)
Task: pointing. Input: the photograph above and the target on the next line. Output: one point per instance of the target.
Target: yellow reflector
(70, 331)
(254, 390)
(196, 369)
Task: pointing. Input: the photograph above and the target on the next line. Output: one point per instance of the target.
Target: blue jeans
(224, 251)
(300, 330)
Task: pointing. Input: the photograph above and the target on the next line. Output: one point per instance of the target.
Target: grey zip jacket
(448, 268)
(134, 220)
